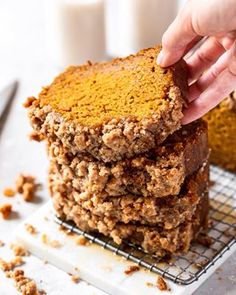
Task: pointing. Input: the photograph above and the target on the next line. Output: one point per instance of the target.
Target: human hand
(212, 67)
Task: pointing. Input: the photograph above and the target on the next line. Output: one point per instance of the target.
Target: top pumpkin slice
(112, 110)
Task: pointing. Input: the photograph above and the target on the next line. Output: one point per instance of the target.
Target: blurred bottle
(135, 24)
(76, 31)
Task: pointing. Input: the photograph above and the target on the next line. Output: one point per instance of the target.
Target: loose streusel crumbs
(7, 266)
(131, 269)
(9, 192)
(6, 210)
(82, 241)
(51, 243)
(161, 284)
(19, 250)
(25, 185)
(30, 229)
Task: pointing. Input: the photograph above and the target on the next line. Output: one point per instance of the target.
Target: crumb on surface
(150, 284)
(1, 243)
(161, 284)
(5, 210)
(52, 243)
(30, 229)
(26, 185)
(24, 284)
(29, 101)
(131, 269)
(19, 250)
(9, 192)
(75, 278)
(10, 265)
(36, 136)
(82, 241)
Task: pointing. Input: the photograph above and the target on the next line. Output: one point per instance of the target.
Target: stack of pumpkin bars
(120, 163)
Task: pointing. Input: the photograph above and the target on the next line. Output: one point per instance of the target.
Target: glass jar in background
(135, 24)
(75, 31)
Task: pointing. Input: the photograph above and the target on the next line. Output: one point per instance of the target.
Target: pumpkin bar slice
(166, 212)
(112, 110)
(153, 239)
(158, 173)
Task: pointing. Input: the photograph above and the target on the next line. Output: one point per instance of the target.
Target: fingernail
(160, 58)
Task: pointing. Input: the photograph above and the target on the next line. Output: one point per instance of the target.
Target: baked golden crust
(222, 133)
(134, 106)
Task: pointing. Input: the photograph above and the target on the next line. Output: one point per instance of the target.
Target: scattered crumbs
(6, 210)
(7, 266)
(52, 243)
(66, 231)
(45, 262)
(29, 101)
(204, 240)
(19, 250)
(46, 218)
(36, 136)
(82, 241)
(131, 269)
(30, 229)
(76, 269)
(9, 192)
(161, 284)
(2, 243)
(75, 279)
(150, 284)
(26, 185)
(24, 284)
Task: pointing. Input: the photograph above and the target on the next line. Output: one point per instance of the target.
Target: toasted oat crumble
(9, 192)
(24, 284)
(10, 265)
(150, 284)
(131, 269)
(30, 229)
(161, 284)
(19, 250)
(75, 279)
(29, 101)
(6, 210)
(1, 243)
(36, 136)
(51, 243)
(82, 241)
(26, 185)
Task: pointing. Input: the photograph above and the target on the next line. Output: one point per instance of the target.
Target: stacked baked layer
(119, 162)
(158, 200)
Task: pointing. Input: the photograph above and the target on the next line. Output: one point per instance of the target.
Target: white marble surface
(23, 54)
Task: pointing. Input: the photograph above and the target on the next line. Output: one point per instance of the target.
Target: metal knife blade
(6, 96)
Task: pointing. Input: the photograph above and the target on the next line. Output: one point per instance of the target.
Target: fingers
(177, 38)
(208, 77)
(205, 56)
(224, 84)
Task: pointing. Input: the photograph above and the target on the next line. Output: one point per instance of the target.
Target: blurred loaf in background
(222, 133)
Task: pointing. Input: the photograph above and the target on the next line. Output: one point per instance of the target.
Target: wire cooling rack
(188, 268)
